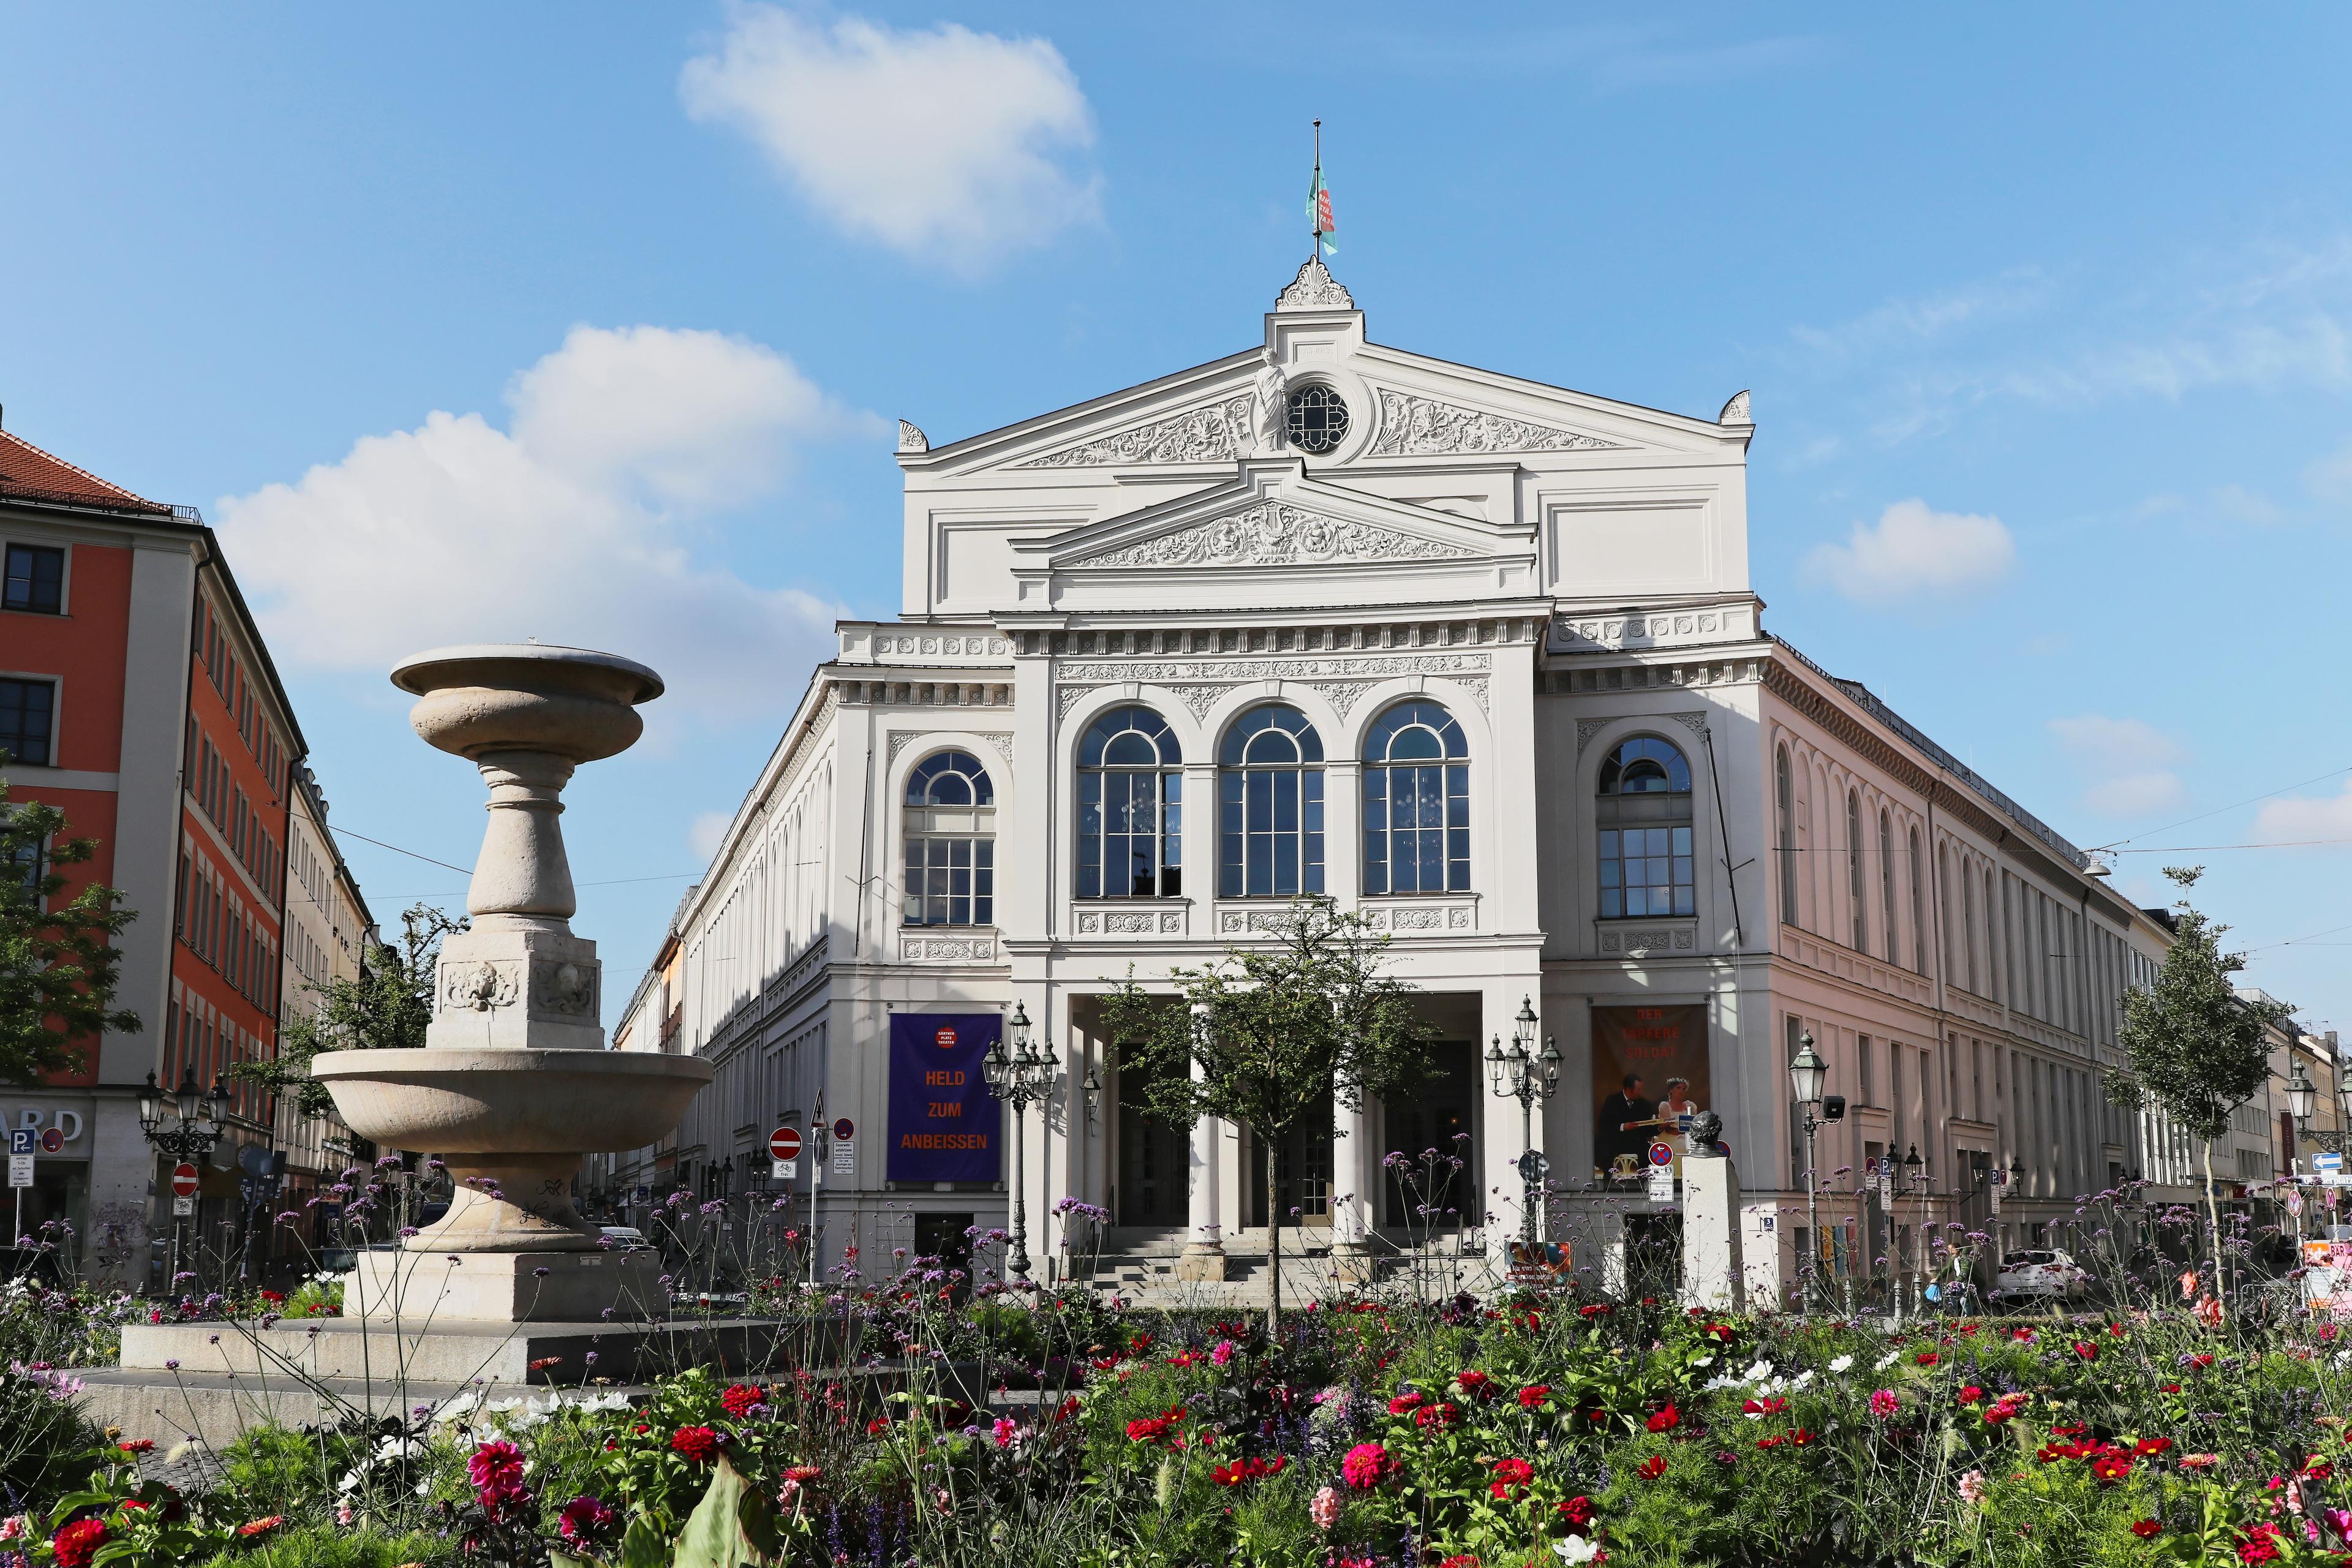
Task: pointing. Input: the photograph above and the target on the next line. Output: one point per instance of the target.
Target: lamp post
(1019, 1078)
(184, 1140)
(1807, 1074)
(1521, 1074)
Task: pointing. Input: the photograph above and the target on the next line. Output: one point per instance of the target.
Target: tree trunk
(2213, 1216)
(1273, 1246)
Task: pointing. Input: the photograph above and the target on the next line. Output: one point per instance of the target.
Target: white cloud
(2138, 794)
(949, 146)
(569, 527)
(1907, 323)
(2301, 819)
(1913, 549)
(2123, 759)
(2114, 742)
(708, 832)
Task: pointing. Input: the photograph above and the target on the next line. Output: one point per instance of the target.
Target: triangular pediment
(1274, 516)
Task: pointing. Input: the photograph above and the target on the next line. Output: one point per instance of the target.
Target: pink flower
(1366, 1466)
(585, 1517)
(1221, 1353)
(1882, 1403)
(495, 1466)
(1006, 1431)
(1325, 1507)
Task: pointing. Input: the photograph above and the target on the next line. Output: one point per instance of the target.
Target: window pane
(1681, 840)
(1612, 905)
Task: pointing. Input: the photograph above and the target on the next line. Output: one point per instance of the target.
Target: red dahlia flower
(699, 1444)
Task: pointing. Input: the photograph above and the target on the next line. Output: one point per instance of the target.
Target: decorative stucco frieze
(1373, 667)
(1583, 633)
(1066, 697)
(1340, 694)
(1214, 433)
(1630, 943)
(1422, 426)
(947, 949)
(930, 645)
(1314, 290)
(902, 739)
(1695, 723)
(911, 439)
(1274, 534)
(1201, 699)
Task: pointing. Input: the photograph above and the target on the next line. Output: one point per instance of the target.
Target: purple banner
(944, 1123)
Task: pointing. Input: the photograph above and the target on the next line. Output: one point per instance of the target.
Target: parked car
(2042, 1271)
(625, 1239)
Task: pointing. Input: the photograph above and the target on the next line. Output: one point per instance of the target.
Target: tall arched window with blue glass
(1416, 802)
(1131, 807)
(951, 842)
(1644, 817)
(1270, 806)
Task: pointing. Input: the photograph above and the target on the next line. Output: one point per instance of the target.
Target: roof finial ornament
(911, 439)
(1735, 411)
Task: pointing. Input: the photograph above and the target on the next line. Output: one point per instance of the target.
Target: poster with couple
(1649, 1079)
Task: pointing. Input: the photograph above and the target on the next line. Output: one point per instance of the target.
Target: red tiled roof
(29, 473)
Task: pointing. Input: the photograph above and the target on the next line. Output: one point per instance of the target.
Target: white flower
(1889, 1359)
(1716, 1385)
(1762, 1369)
(1801, 1379)
(1702, 1360)
(1577, 1549)
(1842, 1363)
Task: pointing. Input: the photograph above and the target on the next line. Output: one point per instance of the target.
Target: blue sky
(2048, 316)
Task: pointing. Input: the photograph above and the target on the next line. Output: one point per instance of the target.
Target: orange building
(136, 695)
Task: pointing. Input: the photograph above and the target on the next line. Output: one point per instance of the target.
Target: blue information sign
(943, 1120)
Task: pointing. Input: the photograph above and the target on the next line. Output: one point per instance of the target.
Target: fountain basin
(511, 1125)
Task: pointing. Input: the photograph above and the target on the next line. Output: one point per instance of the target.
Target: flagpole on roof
(1314, 223)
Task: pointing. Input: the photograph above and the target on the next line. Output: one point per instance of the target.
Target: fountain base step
(502, 1287)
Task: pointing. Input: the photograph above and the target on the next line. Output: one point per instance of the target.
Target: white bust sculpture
(1270, 413)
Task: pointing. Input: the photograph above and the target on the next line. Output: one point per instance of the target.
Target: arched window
(951, 822)
(1853, 871)
(1130, 808)
(1918, 907)
(1887, 883)
(1644, 816)
(1416, 802)
(1270, 806)
(1786, 790)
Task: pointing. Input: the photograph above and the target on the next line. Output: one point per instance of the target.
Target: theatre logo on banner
(943, 1120)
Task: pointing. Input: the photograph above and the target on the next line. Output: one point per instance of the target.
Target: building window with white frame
(1853, 871)
(35, 579)
(1131, 807)
(1644, 815)
(1918, 907)
(27, 721)
(1416, 802)
(1270, 806)
(1887, 881)
(951, 823)
(1785, 798)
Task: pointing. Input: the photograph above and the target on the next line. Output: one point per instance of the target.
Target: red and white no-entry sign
(784, 1143)
(184, 1181)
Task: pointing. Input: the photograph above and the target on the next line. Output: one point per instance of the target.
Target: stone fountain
(514, 1083)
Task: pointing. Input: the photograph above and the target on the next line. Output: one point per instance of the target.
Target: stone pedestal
(419, 1287)
(516, 982)
(1713, 1278)
(1203, 1258)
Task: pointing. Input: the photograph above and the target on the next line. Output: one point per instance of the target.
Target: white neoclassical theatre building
(1476, 656)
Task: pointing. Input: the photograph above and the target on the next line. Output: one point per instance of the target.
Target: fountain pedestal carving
(514, 1083)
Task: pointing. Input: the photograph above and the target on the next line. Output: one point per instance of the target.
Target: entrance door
(1302, 1174)
(1154, 1162)
(1423, 1188)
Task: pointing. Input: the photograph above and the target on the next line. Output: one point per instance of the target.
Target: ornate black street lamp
(184, 1139)
(1807, 1076)
(1518, 1073)
(1019, 1078)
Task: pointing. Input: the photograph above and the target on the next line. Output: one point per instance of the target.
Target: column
(1204, 1250)
(1352, 1182)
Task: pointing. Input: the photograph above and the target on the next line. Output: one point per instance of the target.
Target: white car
(2042, 1271)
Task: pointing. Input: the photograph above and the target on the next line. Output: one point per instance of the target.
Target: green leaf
(558, 1558)
(645, 1546)
(714, 1535)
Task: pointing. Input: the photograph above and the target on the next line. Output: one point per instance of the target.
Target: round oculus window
(1318, 419)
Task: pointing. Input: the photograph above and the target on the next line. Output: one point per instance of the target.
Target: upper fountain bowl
(572, 702)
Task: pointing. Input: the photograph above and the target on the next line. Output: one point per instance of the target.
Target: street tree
(1271, 1035)
(2193, 1048)
(58, 964)
(385, 1007)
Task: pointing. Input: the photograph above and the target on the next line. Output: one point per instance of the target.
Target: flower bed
(1524, 1431)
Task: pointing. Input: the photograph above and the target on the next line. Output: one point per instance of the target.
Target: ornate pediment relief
(1213, 433)
(1422, 426)
(1273, 534)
